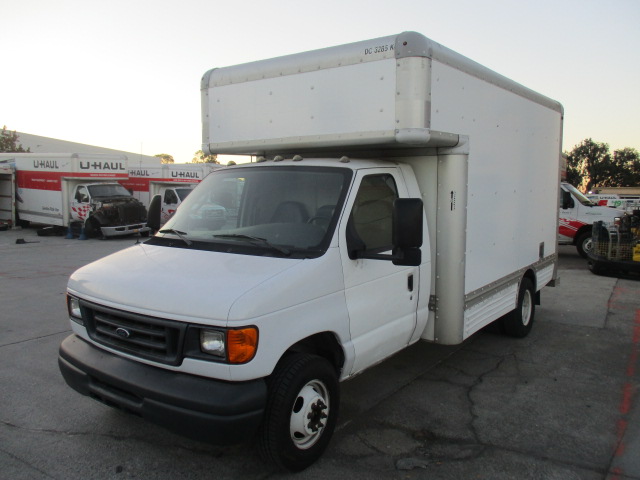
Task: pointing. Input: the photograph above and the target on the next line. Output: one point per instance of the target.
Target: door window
(372, 214)
(82, 195)
(170, 197)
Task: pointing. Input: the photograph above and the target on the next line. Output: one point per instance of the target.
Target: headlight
(235, 345)
(73, 305)
(212, 342)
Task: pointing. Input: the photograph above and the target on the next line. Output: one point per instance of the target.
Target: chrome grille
(146, 337)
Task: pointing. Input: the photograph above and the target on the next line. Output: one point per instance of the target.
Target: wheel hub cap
(309, 414)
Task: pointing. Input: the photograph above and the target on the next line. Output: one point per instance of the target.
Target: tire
(519, 322)
(92, 228)
(301, 412)
(584, 244)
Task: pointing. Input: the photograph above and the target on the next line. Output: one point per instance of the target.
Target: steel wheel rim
(309, 414)
(526, 308)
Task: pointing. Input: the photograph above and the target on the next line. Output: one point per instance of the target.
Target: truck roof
(405, 44)
(375, 94)
(301, 161)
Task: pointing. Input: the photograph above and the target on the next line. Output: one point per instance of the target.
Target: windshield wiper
(179, 234)
(262, 241)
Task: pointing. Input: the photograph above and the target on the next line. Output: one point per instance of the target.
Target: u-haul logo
(46, 164)
(139, 173)
(102, 166)
(184, 174)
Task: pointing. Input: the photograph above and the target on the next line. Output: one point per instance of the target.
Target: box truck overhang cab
(323, 266)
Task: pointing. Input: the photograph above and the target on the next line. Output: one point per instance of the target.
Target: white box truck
(577, 216)
(65, 189)
(173, 182)
(406, 193)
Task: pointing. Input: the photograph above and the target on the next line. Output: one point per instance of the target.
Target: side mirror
(567, 200)
(406, 235)
(407, 231)
(153, 216)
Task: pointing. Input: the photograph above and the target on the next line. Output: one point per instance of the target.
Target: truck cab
(107, 209)
(576, 217)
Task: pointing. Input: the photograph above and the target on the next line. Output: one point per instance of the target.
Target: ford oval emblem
(123, 332)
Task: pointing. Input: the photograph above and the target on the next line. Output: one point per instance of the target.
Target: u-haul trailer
(406, 193)
(60, 189)
(173, 182)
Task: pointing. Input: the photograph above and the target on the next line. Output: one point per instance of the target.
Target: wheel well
(324, 344)
(583, 229)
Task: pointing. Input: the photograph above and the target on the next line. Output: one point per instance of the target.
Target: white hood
(177, 283)
(606, 213)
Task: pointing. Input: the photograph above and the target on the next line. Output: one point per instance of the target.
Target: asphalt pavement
(561, 403)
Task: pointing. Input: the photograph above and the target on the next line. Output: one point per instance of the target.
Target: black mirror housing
(407, 223)
(153, 216)
(406, 235)
(567, 201)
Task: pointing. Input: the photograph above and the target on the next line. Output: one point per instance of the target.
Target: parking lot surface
(559, 404)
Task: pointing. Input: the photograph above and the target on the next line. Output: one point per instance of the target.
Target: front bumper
(125, 230)
(200, 408)
(601, 265)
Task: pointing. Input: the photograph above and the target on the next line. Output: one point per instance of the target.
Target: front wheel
(92, 228)
(518, 323)
(584, 244)
(301, 412)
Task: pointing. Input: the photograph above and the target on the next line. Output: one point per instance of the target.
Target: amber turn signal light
(242, 344)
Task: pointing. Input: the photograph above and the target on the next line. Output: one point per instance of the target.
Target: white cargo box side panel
(339, 104)
(514, 145)
(139, 180)
(370, 93)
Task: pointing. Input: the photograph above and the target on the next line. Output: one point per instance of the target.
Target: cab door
(381, 297)
(80, 203)
(569, 222)
(169, 205)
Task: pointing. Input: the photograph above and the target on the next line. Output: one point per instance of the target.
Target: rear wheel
(518, 323)
(301, 412)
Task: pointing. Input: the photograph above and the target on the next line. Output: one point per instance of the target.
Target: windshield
(261, 210)
(108, 190)
(578, 195)
(183, 192)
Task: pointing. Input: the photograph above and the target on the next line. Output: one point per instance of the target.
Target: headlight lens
(73, 305)
(237, 345)
(212, 342)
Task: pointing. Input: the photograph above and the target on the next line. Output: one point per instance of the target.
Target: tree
(165, 157)
(200, 157)
(590, 165)
(9, 142)
(627, 168)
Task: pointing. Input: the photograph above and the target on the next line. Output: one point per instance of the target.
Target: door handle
(410, 282)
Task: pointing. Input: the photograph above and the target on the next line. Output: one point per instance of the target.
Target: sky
(125, 74)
